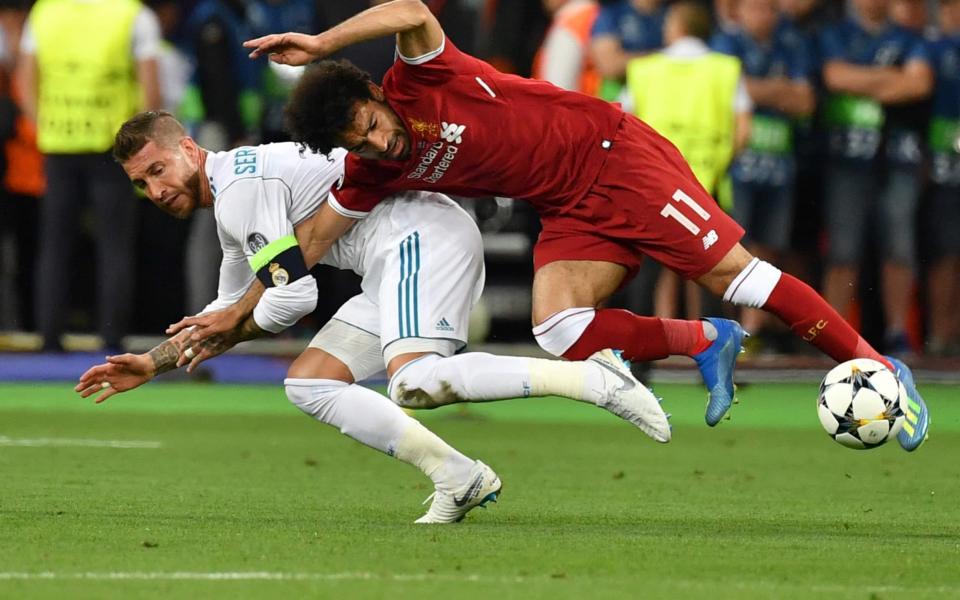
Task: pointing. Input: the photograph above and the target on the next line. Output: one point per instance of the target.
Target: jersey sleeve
(253, 212)
(433, 68)
(235, 274)
(359, 191)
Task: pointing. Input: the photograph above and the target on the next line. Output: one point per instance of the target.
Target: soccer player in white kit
(421, 260)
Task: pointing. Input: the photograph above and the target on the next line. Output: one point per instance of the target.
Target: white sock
(375, 421)
(433, 380)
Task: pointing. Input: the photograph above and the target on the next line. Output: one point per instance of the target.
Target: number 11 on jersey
(672, 211)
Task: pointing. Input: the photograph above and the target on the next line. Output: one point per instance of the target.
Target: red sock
(640, 338)
(809, 316)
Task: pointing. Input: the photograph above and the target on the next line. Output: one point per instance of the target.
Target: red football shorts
(645, 201)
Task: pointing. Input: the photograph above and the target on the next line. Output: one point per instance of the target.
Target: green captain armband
(278, 263)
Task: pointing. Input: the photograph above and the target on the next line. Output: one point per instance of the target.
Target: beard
(192, 197)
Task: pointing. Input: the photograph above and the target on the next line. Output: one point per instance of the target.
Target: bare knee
(315, 363)
(719, 278)
(565, 284)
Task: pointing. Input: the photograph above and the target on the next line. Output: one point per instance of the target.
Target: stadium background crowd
(856, 190)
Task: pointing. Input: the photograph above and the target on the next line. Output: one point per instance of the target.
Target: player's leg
(433, 273)
(567, 323)
(747, 281)
(432, 379)
(321, 384)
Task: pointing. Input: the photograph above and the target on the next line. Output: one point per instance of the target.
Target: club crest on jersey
(452, 132)
(439, 156)
(278, 275)
(256, 242)
(424, 128)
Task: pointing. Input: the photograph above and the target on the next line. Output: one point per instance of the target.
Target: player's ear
(189, 147)
(375, 91)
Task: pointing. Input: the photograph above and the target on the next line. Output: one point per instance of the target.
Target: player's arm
(315, 236)
(418, 32)
(128, 371)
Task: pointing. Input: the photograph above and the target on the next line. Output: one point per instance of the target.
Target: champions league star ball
(861, 404)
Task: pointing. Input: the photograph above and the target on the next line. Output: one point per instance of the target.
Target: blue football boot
(716, 365)
(916, 419)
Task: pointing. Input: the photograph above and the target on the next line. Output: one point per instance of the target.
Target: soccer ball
(861, 404)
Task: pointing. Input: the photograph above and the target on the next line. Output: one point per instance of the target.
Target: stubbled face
(376, 133)
(169, 176)
(758, 17)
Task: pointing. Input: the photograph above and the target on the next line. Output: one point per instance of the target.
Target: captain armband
(280, 262)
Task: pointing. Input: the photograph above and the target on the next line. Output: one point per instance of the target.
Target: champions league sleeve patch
(279, 262)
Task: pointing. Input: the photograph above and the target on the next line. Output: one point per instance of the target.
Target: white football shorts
(421, 259)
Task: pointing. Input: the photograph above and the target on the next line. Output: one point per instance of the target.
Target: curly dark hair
(323, 103)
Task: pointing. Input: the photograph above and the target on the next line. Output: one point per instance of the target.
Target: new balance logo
(444, 325)
(710, 239)
(452, 132)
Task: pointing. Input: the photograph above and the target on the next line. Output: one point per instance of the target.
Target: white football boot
(629, 399)
(482, 486)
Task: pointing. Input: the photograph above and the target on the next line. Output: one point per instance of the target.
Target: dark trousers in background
(75, 182)
(18, 256)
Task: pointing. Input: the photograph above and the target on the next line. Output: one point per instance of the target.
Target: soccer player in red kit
(607, 187)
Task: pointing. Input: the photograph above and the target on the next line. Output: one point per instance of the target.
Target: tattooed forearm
(165, 355)
(221, 342)
(216, 344)
(249, 330)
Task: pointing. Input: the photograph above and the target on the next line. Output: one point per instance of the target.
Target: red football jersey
(475, 131)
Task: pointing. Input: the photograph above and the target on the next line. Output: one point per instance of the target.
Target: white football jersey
(419, 253)
(260, 194)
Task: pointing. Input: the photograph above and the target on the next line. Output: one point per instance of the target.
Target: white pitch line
(77, 443)
(253, 576)
(454, 577)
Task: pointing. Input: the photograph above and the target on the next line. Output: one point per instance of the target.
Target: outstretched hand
(119, 374)
(287, 48)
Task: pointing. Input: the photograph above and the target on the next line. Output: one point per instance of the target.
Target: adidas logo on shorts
(444, 325)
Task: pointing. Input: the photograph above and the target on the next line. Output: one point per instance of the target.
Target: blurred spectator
(912, 15)
(763, 173)
(623, 30)
(801, 22)
(174, 66)
(86, 67)
(222, 109)
(942, 226)
(512, 32)
(22, 186)
(871, 65)
(698, 100)
(564, 59)
(278, 80)
(724, 15)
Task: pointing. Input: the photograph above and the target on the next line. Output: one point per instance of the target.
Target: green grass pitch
(231, 492)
